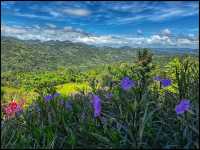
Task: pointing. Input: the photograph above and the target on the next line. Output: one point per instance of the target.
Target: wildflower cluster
(14, 108)
(126, 84)
(184, 104)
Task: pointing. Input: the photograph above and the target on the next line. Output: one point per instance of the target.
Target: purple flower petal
(56, 95)
(48, 98)
(96, 102)
(127, 83)
(165, 82)
(183, 106)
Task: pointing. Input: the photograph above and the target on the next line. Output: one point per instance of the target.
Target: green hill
(18, 55)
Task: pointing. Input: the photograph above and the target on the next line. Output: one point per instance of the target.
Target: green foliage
(144, 57)
(18, 55)
(145, 66)
(143, 117)
(185, 72)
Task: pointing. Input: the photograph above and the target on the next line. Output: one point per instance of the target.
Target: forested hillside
(18, 55)
(33, 55)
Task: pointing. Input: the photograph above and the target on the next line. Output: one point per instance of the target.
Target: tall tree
(144, 59)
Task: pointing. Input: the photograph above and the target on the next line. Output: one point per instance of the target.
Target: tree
(144, 59)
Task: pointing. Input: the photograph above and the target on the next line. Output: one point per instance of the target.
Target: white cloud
(157, 39)
(78, 35)
(108, 12)
(13, 30)
(156, 12)
(68, 28)
(130, 19)
(54, 13)
(172, 12)
(167, 14)
(184, 41)
(191, 35)
(77, 12)
(166, 32)
(37, 26)
(33, 16)
(51, 25)
(188, 41)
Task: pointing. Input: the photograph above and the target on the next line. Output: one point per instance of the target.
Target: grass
(67, 89)
(10, 93)
(127, 120)
(71, 88)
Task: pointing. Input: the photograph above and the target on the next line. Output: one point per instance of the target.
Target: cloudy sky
(117, 23)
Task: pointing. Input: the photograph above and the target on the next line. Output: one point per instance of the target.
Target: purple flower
(56, 94)
(96, 102)
(48, 98)
(109, 95)
(165, 82)
(68, 105)
(182, 106)
(18, 108)
(126, 83)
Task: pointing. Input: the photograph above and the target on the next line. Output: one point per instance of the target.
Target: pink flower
(13, 108)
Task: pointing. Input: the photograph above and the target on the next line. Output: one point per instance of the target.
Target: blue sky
(117, 23)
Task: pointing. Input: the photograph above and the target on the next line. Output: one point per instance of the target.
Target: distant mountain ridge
(176, 50)
(30, 55)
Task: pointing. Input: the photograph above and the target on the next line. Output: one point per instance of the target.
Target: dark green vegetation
(143, 117)
(17, 55)
(33, 55)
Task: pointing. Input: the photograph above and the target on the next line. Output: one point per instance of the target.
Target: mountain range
(30, 55)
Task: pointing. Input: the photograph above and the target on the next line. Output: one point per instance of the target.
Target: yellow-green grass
(11, 93)
(70, 88)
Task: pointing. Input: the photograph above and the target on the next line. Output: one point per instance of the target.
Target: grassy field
(72, 88)
(145, 115)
